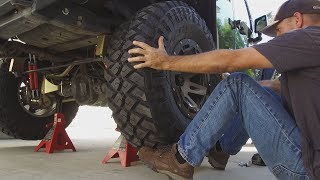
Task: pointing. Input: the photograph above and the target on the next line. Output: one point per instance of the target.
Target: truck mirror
(260, 23)
(241, 26)
(244, 29)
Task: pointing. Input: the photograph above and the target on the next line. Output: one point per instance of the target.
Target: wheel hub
(41, 107)
(189, 90)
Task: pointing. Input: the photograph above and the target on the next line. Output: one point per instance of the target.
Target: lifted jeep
(57, 55)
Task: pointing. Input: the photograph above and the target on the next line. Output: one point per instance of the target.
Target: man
(285, 135)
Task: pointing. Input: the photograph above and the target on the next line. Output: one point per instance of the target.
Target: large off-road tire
(16, 121)
(153, 107)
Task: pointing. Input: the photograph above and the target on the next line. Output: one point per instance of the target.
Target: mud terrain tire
(144, 102)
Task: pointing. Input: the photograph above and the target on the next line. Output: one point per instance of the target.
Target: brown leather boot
(218, 160)
(164, 161)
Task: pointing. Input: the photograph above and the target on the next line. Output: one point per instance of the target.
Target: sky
(262, 7)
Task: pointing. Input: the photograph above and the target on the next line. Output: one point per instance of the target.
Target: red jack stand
(124, 151)
(57, 137)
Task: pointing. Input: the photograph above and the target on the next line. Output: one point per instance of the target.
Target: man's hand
(272, 84)
(156, 58)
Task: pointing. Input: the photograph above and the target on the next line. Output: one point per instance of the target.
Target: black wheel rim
(189, 90)
(34, 110)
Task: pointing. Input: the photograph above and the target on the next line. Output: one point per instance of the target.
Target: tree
(229, 38)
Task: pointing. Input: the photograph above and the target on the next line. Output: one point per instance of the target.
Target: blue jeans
(236, 136)
(262, 116)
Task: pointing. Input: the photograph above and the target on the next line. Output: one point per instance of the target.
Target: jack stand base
(57, 137)
(125, 151)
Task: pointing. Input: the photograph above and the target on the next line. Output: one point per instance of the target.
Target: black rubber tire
(14, 120)
(142, 101)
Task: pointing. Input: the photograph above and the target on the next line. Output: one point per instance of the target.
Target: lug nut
(65, 11)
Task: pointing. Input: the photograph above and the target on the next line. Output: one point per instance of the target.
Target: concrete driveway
(92, 139)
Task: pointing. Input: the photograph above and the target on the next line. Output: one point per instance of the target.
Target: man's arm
(216, 61)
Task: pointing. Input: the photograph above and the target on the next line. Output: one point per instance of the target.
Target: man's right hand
(272, 84)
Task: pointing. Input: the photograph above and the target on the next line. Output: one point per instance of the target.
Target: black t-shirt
(296, 55)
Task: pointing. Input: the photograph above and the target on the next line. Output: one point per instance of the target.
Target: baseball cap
(287, 9)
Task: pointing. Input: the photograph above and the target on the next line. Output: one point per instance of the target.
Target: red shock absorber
(35, 76)
(31, 78)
